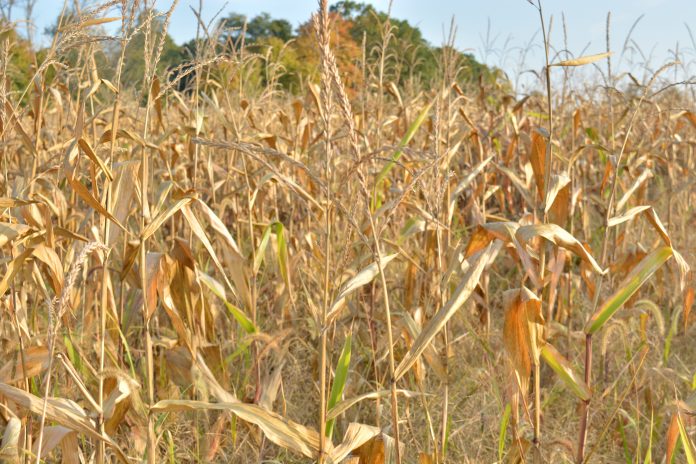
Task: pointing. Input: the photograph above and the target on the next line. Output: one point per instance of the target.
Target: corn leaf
(560, 237)
(461, 295)
(62, 411)
(565, 372)
(583, 60)
(355, 436)
(219, 291)
(281, 431)
(399, 151)
(261, 249)
(689, 450)
(157, 222)
(503, 431)
(363, 277)
(344, 405)
(630, 285)
(339, 383)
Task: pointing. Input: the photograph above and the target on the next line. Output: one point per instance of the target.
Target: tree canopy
(288, 56)
(259, 27)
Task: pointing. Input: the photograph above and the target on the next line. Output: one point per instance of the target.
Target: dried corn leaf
(627, 216)
(356, 435)
(52, 437)
(522, 333)
(466, 181)
(281, 431)
(430, 354)
(343, 406)
(122, 191)
(6, 202)
(52, 261)
(461, 294)
(644, 176)
(89, 151)
(364, 277)
(10, 231)
(158, 220)
(13, 268)
(9, 450)
(558, 183)
(654, 219)
(583, 60)
(560, 237)
(234, 259)
(88, 198)
(64, 412)
(519, 185)
(34, 359)
(537, 158)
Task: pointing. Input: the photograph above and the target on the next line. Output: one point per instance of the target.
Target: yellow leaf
(583, 60)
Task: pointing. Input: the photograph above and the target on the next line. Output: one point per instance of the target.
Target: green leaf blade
(630, 285)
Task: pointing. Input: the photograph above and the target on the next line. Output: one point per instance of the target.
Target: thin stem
(584, 419)
(585, 406)
(390, 336)
(537, 404)
(549, 106)
(542, 206)
(105, 272)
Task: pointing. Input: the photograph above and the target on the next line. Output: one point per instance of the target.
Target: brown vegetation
(364, 270)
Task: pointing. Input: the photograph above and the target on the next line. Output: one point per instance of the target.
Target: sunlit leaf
(565, 372)
(630, 285)
(583, 60)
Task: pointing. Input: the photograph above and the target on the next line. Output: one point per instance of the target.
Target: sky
(495, 31)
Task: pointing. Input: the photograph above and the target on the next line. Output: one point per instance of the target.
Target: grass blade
(503, 431)
(689, 450)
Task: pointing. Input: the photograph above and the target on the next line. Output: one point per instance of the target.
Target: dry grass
(181, 270)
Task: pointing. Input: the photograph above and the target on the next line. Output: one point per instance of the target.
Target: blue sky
(512, 23)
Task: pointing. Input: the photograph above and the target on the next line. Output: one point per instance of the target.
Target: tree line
(276, 53)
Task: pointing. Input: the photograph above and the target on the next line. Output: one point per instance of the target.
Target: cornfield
(206, 267)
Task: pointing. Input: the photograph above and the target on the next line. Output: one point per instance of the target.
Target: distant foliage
(20, 63)
(286, 57)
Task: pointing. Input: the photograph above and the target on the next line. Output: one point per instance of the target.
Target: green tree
(20, 66)
(70, 55)
(411, 58)
(259, 27)
(134, 64)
